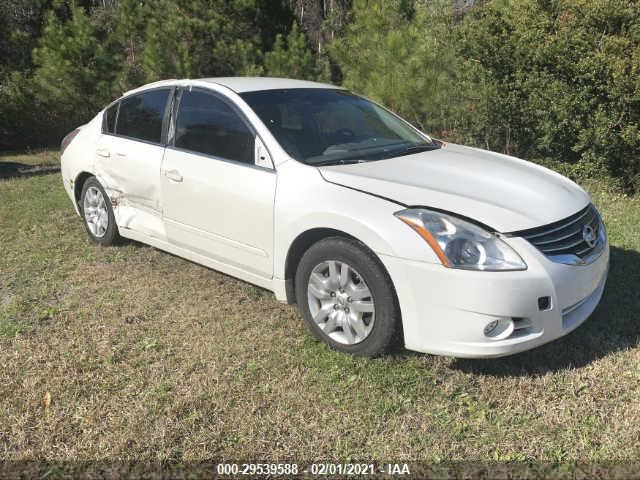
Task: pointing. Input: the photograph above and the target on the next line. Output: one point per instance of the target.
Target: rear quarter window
(109, 119)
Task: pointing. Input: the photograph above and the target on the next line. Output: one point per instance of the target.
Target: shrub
(563, 81)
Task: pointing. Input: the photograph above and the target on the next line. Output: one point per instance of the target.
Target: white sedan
(378, 232)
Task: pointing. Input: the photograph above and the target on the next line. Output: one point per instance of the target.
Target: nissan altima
(379, 233)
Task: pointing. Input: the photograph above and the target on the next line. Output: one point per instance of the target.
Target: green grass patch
(146, 355)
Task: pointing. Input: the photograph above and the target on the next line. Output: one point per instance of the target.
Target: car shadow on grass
(612, 327)
(16, 169)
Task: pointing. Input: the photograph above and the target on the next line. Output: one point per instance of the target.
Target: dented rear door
(130, 172)
(129, 159)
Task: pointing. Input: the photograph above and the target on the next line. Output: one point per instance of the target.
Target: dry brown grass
(130, 353)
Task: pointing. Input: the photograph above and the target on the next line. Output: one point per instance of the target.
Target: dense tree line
(556, 81)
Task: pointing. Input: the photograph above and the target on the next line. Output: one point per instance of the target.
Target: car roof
(252, 84)
(241, 84)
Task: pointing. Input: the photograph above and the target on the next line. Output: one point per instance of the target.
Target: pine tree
(130, 19)
(401, 55)
(75, 66)
(291, 57)
(198, 38)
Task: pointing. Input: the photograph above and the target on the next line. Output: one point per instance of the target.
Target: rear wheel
(346, 297)
(97, 213)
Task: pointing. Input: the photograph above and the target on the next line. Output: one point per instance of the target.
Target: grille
(567, 237)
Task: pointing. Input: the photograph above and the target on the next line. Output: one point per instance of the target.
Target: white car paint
(506, 193)
(243, 220)
(230, 221)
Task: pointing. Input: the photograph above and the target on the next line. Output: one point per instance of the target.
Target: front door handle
(103, 152)
(173, 175)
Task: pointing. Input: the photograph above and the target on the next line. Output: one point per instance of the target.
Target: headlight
(461, 244)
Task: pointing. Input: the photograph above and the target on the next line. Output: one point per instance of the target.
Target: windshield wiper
(386, 153)
(423, 147)
(325, 163)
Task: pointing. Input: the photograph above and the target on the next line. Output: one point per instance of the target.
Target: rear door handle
(173, 175)
(103, 152)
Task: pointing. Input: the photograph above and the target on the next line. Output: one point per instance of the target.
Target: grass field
(128, 352)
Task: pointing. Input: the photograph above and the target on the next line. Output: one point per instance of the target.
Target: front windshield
(328, 126)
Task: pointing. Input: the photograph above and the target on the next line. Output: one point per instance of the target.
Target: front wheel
(97, 213)
(346, 297)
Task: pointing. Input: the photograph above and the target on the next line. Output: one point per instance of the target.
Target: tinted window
(109, 119)
(141, 115)
(206, 124)
(323, 126)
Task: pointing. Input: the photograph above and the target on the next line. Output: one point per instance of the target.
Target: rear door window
(141, 115)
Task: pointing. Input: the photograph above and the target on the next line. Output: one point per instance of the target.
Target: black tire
(386, 333)
(111, 234)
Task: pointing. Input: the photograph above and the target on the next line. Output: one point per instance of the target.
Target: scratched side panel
(130, 175)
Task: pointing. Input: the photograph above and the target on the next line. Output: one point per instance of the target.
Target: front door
(216, 201)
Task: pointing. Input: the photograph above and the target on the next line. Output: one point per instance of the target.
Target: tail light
(66, 141)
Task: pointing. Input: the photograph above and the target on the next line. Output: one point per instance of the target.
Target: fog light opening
(544, 303)
(499, 329)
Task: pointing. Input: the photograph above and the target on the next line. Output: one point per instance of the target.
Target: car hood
(502, 192)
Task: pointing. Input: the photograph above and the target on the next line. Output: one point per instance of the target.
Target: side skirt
(236, 272)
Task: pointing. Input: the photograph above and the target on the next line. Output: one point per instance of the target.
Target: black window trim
(165, 116)
(220, 96)
(104, 118)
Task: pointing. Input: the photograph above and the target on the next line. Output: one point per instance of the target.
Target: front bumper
(445, 311)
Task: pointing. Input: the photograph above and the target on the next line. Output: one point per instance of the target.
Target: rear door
(129, 157)
(215, 200)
